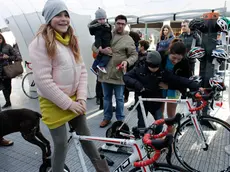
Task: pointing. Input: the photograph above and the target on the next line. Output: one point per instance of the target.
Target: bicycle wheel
(189, 151)
(28, 86)
(166, 167)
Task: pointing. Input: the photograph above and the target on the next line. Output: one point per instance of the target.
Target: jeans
(101, 60)
(108, 105)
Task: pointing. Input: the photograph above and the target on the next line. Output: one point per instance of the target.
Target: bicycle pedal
(110, 162)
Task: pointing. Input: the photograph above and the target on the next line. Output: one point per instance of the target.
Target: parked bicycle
(28, 84)
(197, 146)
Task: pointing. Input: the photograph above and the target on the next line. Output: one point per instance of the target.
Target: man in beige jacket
(123, 55)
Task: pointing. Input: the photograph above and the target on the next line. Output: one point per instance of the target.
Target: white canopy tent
(113, 8)
(24, 18)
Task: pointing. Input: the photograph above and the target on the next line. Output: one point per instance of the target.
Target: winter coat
(8, 50)
(163, 45)
(123, 49)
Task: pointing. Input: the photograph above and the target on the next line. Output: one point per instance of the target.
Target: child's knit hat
(100, 14)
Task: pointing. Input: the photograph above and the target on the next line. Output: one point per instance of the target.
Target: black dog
(27, 122)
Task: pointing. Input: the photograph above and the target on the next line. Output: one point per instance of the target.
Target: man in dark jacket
(190, 40)
(102, 32)
(145, 79)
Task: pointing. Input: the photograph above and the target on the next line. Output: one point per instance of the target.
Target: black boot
(6, 93)
(98, 101)
(8, 104)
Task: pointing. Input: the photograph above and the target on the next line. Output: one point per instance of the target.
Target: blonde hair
(170, 32)
(48, 34)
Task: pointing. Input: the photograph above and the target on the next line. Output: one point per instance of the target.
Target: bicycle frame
(139, 152)
(188, 102)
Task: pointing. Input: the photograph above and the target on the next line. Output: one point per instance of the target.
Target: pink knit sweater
(60, 78)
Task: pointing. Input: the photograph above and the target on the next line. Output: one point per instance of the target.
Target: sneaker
(227, 149)
(93, 71)
(102, 69)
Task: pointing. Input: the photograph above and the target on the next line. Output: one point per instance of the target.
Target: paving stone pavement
(25, 157)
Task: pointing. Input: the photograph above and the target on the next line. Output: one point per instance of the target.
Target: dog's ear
(38, 114)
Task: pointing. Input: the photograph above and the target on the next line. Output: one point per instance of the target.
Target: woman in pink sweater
(61, 79)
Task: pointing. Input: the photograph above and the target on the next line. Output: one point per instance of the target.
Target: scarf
(64, 41)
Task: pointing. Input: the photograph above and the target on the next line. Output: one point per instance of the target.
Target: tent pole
(146, 31)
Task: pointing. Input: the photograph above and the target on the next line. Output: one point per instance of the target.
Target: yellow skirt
(52, 115)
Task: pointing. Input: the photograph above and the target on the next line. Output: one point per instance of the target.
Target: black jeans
(126, 93)
(99, 91)
(154, 109)
(206, 72)
(6, 89)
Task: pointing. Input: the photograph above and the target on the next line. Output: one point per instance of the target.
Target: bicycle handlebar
(157, 145)
(201, 96)
(150, 139)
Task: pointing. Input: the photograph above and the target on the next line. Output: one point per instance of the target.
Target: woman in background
(166, 36)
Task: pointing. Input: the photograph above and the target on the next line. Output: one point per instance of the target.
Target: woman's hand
(5, 56)
(83, 103)
(77, 108)
(163, 85)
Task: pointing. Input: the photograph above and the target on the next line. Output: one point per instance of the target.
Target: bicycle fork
(199, 131)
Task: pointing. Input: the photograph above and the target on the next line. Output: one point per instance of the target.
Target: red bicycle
(28, 84)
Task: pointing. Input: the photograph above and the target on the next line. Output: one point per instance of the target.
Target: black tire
(161, 167)
(46, 167)
(196, 154)
(166, 167)
(25, 89)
